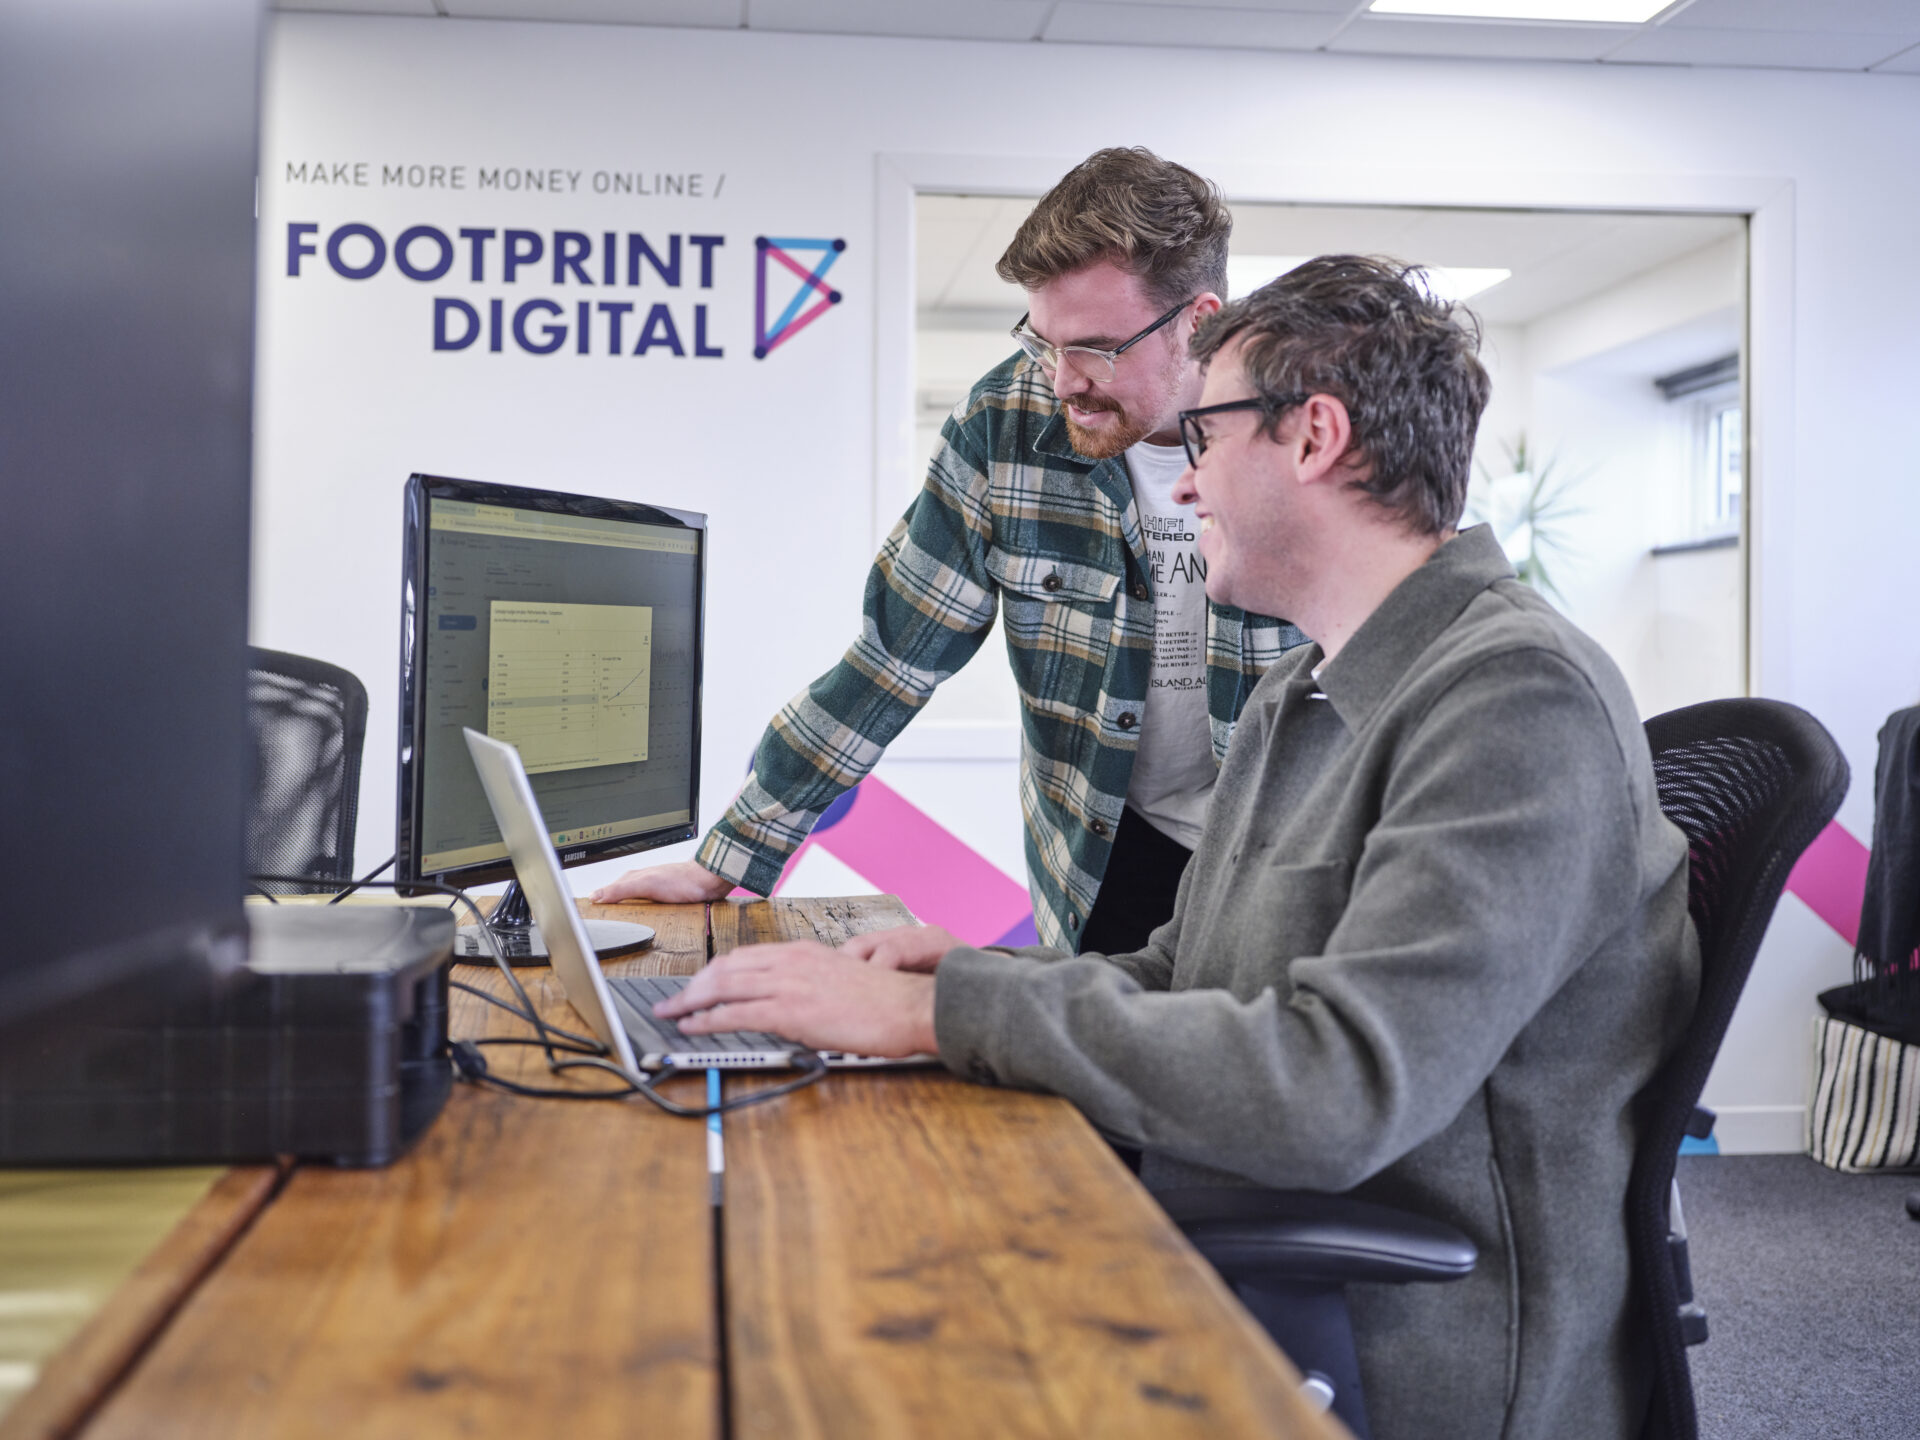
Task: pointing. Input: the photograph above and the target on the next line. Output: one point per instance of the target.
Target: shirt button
(1126, 720)
(1099, 827)
(1139, 589)
(1051, 583)
(1073, 921)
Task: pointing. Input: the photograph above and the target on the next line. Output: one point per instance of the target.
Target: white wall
(1583, 392)
(815, 132)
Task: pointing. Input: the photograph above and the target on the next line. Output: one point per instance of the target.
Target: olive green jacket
(1432, 945)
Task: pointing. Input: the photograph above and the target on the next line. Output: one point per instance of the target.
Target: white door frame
(1767, 202)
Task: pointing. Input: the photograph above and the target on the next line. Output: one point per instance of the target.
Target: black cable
(272, 899)
(529, 1040)
(584, 1042)
(526, 1011)
(473, 1068)
(472, 1065)
(366, 879)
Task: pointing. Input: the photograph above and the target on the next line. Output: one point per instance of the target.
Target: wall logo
(677, 301)
(797, 315)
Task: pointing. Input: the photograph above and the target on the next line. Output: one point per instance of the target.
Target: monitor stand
(519, 938)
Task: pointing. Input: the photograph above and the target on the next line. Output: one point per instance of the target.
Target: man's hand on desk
(905, 947)
(684, 883)
(807, 992)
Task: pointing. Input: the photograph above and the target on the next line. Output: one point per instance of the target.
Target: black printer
(328, 1041)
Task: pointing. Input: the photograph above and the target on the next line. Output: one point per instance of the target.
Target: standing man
(1050, 499)
(1434, 940)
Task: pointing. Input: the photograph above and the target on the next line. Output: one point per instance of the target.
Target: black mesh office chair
(1750, 783)
(308, 721)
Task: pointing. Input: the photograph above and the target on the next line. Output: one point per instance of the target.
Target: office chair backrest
(308, 721)
(1750, 783)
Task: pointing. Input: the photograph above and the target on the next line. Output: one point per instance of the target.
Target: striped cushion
(1865, 1113)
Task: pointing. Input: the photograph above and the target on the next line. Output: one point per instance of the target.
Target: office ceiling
(1557, 257)
(1878, 35)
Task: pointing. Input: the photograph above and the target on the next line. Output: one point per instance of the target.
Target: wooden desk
(901, 1254)
(907, 1254)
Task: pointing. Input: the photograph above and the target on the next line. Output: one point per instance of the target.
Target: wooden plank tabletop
(528, 1269)
(902, 1254)
(92, 1263)
(907, 1254)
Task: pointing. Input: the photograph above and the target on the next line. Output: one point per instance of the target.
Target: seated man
(1434, 939)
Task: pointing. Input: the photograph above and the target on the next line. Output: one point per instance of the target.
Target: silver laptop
(617, 1009)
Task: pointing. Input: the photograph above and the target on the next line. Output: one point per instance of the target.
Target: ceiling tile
(1342, 8)
(1783, 49)
(1907, 62)
(1611, 249)
(1320, 229)
(962, 275)
(1477, 39)
(1878, 17)
(1557, 257)
(360, 7)
(1161, 24)
(703, 14)
(933, 19)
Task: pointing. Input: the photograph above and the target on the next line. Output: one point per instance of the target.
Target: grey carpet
(1811, 1282)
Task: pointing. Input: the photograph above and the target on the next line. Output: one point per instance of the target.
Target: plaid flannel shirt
(1010, 519)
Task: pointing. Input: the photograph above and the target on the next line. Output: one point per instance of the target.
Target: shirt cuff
(972, 992)
(731, 858)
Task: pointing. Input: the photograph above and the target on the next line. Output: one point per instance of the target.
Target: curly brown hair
(1166, 224)
(1366, 330)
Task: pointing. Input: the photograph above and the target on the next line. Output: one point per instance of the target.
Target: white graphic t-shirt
(1173, 770)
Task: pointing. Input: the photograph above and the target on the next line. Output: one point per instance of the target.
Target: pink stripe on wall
(1832, 879)
(901, 850)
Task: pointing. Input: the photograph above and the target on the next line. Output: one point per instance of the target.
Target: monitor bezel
(421, 489)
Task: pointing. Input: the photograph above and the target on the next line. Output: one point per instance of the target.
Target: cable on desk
(584, 1043)
(366, 879)
(470, 1065)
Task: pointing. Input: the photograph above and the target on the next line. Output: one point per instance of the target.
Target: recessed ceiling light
(1247, 273)
(1614, 12)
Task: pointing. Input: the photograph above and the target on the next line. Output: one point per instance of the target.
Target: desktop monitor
(569, 626)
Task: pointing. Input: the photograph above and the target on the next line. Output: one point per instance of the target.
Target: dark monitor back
(126, 357)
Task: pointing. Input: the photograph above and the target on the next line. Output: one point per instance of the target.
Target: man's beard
(1108, 441)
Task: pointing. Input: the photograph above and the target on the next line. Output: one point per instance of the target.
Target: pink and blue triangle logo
(798, 314)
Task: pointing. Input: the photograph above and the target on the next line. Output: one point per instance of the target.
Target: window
(1719, 444)
(1720, 465)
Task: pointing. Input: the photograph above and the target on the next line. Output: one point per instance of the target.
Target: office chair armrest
(1306, 1236)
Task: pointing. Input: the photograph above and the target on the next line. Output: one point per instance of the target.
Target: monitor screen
(570, 627)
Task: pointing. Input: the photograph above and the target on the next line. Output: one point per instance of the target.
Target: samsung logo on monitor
(576, 855)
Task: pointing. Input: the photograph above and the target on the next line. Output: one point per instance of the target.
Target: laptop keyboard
(643, 992)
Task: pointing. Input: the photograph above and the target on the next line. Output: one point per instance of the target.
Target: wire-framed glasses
(1193, 434)
(1095, 365)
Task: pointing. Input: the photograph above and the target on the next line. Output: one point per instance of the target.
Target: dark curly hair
(1368, 331)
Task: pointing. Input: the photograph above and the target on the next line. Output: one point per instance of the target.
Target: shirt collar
(1411, 618)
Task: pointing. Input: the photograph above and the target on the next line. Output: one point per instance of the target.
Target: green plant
(1530, 510)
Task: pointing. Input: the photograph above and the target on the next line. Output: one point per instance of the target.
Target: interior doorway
(1611, 457)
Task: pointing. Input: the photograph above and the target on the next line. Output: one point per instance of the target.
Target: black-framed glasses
(1194, 436)
(1095, 365)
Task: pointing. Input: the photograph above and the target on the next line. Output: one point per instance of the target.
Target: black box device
(328, 1041)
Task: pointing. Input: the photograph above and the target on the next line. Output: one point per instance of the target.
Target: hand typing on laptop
(809, 993)
(904, 947)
